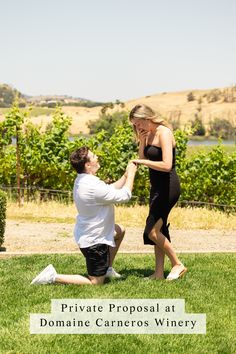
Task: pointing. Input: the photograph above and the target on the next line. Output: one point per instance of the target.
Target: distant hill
(177, 107)
(174, 106)
(8, 94)
(184, 106)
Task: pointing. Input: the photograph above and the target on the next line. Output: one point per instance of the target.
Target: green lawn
(34, 112)
(197, 149)
(208, 287)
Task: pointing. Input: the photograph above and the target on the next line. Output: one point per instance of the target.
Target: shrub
(213, 96)
(108, 122)
(198, 127)
(190, 97)
(221, 128)
(3, 203)
(229, 94)
(209, 177)
(181, 138)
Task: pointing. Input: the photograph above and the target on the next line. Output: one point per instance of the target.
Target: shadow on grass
(137, 272)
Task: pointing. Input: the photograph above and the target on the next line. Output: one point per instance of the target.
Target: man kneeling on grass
(95, 231)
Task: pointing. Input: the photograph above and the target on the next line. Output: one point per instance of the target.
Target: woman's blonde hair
(141, 111)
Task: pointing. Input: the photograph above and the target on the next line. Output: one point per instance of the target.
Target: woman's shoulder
(166, 136)
(162, 128)
(164, 132)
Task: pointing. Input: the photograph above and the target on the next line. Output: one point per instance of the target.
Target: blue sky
(106, 50)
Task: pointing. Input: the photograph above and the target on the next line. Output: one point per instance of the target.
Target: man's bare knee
(97, 280)
(119, 231)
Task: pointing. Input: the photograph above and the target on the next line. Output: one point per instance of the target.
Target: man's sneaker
(111, 273)
(47, 276)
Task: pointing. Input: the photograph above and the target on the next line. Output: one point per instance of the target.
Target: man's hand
(130, 174)
(131, 167)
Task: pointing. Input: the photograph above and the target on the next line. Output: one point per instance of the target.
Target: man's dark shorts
(97, 259)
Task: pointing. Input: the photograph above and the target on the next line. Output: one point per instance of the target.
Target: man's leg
(97, 261)
(50, 276)
(118, 237)
(79, 279)
(97, 258)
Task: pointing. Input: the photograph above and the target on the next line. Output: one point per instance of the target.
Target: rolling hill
(173, 106)
(179, 107)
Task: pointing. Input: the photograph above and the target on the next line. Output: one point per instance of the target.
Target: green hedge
(3, 203)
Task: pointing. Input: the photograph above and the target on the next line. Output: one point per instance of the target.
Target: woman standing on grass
(157, 152)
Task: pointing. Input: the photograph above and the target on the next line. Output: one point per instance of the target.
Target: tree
(8, 95)
(108, 122)
(213, 96)
(198, 127)
(221, 128)
(190, 97)
(13, 128)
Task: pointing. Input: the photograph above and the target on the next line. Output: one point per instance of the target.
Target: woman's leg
(159, 263)
(163, 244)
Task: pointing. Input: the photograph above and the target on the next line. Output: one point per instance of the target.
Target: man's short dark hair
(78, 159)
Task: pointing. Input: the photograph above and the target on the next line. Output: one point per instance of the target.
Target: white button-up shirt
(94, 199)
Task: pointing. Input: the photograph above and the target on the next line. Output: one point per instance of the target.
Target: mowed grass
(198, 149)
(208, 288)
(133, 216)
(34, 111)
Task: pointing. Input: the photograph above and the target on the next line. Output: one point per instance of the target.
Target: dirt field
(27, 238)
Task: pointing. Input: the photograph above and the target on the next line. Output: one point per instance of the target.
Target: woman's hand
(131, 167)
(137, 161)
(142, 135)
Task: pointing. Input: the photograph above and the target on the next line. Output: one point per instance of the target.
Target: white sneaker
(111, 273)
(47, 276)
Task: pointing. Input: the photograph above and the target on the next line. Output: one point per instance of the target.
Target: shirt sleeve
(108, 194)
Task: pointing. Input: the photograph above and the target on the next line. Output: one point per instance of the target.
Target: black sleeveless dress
(164, 193)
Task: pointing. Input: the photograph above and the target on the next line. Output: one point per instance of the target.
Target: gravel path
(28, 238)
